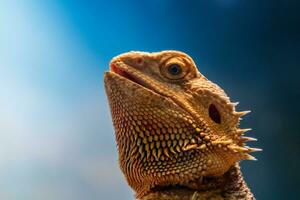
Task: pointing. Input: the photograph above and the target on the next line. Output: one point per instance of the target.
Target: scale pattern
(164, 129)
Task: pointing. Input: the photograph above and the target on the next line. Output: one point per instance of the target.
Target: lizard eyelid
(174, 69)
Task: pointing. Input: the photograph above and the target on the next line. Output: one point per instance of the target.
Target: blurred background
(56, 135)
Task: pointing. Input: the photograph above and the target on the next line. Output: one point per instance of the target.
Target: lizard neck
(229, 186)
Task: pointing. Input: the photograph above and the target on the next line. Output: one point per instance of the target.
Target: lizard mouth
(114, 67)
(130, 74)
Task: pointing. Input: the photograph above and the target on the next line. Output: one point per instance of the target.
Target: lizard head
(173, 126)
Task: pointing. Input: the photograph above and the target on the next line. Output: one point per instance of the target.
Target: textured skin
(176, 130)
(230, 186)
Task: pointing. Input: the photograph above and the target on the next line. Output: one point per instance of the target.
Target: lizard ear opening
(214, 114)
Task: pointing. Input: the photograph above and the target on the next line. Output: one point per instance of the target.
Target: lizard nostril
(139, 61)
(214, 114)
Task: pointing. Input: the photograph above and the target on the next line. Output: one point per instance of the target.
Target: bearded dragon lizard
(177, 133)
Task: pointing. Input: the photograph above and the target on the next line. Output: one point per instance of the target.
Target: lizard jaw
(118, 70)
(132, 76)
(114, 67)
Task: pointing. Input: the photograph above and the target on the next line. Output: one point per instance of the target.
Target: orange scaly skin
(175, 127)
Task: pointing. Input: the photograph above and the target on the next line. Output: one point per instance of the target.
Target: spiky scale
(202, 147)
(189, 147)
(166, 152)
(234, 104)
(159, 152)
(180, 143)
(236, 148)
(172, 150)
(247, 139)
(186, 141)
(254, 149)
(154, 153)
(242, 113)
(249, 157)
(242, 131)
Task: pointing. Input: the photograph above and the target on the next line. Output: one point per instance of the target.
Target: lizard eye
(174, 69)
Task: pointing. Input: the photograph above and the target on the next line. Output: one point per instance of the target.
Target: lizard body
(178, 133)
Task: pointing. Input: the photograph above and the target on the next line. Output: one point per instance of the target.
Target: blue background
(56, 135)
